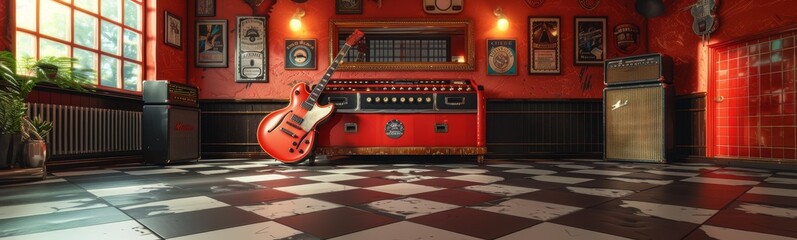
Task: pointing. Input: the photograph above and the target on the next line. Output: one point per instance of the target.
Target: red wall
(166, 62)
(218, 83)
(672, 34)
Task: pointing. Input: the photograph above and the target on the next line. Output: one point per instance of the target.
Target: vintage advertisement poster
(251, 63)
(300, 54)
(590, 37)
(544, 53)
(211, 45)
(501, 57)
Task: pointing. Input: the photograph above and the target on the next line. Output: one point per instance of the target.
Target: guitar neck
(313, 98)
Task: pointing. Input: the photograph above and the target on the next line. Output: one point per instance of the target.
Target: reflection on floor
(398, 199)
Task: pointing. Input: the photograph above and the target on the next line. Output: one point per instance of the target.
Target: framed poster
(251, 62)
(172, 27)
(211, 43)
(300, 54)
(590, 40)
(544, 45)
(501, 57)
(205, 8)
(348, 6)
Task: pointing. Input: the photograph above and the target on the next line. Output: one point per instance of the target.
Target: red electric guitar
(288, 134)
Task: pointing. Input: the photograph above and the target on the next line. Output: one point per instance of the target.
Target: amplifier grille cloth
(635, 131)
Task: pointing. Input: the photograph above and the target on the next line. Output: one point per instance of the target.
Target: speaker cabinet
(170, 134)
(638, 122)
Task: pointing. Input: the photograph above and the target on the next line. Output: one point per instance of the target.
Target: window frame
(71, 44)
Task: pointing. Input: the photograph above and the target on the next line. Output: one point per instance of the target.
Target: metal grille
(82, 130)
(635, 123)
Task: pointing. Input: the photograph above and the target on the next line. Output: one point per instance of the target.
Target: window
(400, 49)
(104, 35)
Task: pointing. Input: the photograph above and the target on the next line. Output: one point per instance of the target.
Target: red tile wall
(756, 81)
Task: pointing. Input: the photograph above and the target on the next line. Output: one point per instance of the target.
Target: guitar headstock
(354, 37)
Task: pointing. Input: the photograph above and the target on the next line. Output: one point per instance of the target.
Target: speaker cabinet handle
(719, 99)
(441, 127)
(350, 127)
(339, 100)
(455, 101)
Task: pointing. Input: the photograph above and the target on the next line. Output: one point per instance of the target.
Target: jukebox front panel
(638, 124)
(403, 117)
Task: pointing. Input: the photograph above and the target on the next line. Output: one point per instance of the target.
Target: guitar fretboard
(313, 98)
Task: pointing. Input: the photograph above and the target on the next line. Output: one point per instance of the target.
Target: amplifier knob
(451, 89)
(368, 99)
(419, 99)
(384, 88)
(409, 89)
(393, 88)
(412, 99)
(401, 88)
(459, 89)
(394, 99)
(403, 99)
(428, 99)
(384, 99)
(426, 89)
(434, 89)
(468, 89)
(378, 99)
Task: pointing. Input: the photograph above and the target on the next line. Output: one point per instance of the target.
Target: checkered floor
(421, 199)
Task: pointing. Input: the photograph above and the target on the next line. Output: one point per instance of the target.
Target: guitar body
(705, 18)
(286, 138)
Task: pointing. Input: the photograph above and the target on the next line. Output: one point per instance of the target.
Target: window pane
(49, 48)
(85, 60)
(86, 27)
(25, 47)
(54, 20)
(110, 37)
(132, 45)
(24, 10)
(132, 14)
(111, 9)
(132, 74)
(109, 71)
(90, 5)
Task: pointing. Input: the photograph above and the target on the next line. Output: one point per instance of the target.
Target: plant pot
(35, 154)
(10, 146)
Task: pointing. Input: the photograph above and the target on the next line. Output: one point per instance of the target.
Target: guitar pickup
(286, 131)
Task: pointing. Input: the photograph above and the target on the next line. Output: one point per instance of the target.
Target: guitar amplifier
(403, 117)
(638, 122)
(646, 68)
(170, 123)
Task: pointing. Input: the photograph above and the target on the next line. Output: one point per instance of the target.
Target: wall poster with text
(590, 40)
(300, 54)
(211, 45)
(544, 46)
(251, 55)
(501, 57)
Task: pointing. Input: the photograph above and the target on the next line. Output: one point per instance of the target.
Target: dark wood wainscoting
(690, 126)
(515, 128)
(229, 127)
(544, 128)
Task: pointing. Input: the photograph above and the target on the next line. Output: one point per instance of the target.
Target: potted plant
(17, 80)
(35, 148)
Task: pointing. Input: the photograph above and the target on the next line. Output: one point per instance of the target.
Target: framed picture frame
(501, 57)
(211, 43)
(251, 53)
(348, 6)
(205, 8)
(545, 55)
(172, 28)
(300, 54)
(590, 40)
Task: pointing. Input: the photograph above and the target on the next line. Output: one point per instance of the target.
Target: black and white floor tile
(383, 198)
